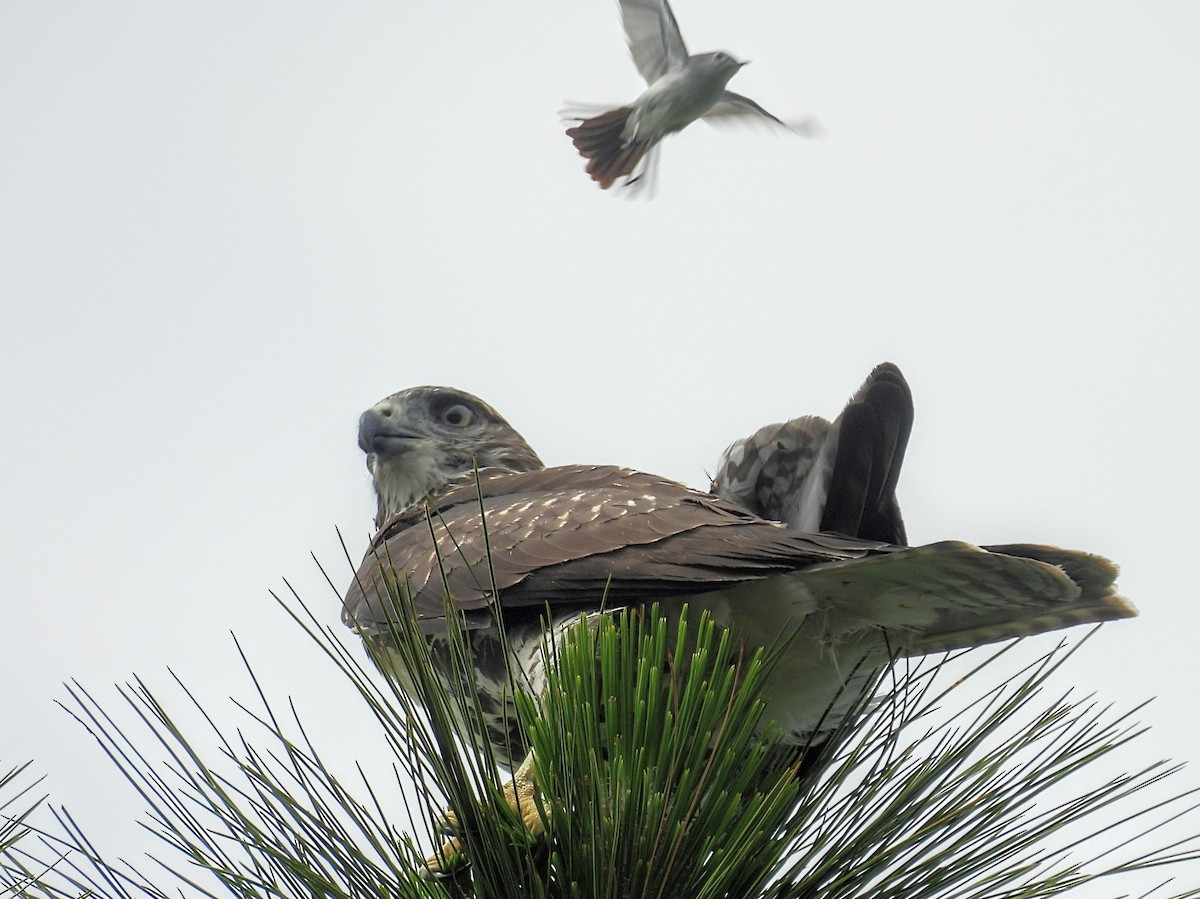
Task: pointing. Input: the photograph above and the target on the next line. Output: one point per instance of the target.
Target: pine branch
(656, 782)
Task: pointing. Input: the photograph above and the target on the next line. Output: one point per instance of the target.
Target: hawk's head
(419, 439)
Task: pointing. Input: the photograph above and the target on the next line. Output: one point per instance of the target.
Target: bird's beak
(377, 433)
(744, 62)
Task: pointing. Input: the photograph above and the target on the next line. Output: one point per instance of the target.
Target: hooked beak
(377, 433)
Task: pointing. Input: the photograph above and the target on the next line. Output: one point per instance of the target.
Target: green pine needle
(656, 781)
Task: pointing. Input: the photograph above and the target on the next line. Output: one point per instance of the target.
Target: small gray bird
(622, 142)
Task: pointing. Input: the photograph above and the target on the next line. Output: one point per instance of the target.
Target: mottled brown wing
(574, 535)
(953, 595)
(817, 476)
(873, 432)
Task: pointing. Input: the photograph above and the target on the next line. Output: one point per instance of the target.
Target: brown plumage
(515, 543)
(609, 156)
(566, 536)
(816, 475)
(570, 534)
(873, 433)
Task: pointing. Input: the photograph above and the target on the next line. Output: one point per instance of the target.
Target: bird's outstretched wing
(816, 476)
(653, 35)
(735, 109)
(872, 436)
(952, 595)
(571, 536)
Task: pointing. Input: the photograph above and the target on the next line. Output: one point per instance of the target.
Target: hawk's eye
(457, 416)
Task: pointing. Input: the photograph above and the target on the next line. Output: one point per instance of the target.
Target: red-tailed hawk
(839, 582)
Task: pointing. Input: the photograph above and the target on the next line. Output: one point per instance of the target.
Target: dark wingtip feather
(873, 434)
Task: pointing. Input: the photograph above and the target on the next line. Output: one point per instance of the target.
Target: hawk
(801, 536)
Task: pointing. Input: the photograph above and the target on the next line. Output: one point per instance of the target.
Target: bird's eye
(457, 416)
(719, 56)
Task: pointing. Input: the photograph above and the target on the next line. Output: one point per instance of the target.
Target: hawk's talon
(446, 862)
(447, 824)
(520, 794)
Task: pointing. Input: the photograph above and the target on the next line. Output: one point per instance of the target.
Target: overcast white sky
(227, 228)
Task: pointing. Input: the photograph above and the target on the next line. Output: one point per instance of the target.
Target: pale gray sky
(225, 229)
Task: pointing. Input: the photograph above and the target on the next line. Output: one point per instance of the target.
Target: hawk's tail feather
(599, 140)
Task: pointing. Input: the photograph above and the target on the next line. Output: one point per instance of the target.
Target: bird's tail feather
(599, 140)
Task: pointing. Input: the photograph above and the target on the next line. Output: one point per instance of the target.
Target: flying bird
(622, 143)
(558, 542)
